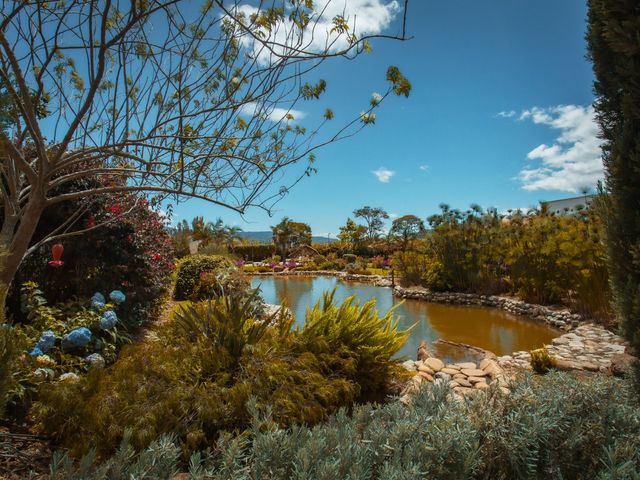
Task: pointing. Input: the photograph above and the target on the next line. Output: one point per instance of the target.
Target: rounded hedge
(189, 270)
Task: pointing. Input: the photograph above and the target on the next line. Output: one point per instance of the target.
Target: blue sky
(499, 115)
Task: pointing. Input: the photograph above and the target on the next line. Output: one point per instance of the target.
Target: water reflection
(488, 328)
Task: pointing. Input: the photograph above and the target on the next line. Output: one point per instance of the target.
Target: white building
(567, 206)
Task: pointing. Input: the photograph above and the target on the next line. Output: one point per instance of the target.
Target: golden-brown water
(488, 328)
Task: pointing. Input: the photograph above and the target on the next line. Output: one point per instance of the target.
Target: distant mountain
(265, 237)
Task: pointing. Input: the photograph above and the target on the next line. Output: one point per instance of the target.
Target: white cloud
(383, 174)
(573, 160)
(275, 114)
(506, 114)
(393, 216)
(364, 17)
(424, 168)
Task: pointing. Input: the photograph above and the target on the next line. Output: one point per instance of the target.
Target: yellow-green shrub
(354, 338)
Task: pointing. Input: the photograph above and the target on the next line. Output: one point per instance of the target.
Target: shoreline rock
(464, 379)
(588, 348)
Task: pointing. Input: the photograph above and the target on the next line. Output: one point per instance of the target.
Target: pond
(489, 328)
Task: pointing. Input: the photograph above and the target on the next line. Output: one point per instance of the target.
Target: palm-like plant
(232, 233)
(228, 324)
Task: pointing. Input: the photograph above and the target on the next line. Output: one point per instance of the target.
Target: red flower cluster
(115, 209)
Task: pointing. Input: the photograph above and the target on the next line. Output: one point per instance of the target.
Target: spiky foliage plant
(227, 325)
(159, 461)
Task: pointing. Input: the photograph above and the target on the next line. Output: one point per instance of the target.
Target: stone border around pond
(561, 318)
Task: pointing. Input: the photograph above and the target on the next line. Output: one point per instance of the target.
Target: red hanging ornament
(56, 253)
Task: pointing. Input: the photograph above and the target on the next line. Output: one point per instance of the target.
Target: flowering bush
(132, 253)
(69, 336)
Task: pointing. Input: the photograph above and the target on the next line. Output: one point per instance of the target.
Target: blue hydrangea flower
(117, 296)
(36, 352)
(108, 320)
(97, 301)
(47, 341)
(78, 337)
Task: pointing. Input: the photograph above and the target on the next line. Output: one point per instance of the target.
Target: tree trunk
(17, 241)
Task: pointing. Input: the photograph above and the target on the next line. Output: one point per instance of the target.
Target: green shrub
(436, 278)
(541, 361)
(215, 284)
(194, 376)
(554, 426)
(190, 268)
(411, 266)
(350, 258)
(9, 349)
(332, 262)
(356, 269)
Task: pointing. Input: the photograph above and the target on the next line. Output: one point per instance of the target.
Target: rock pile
(559, 318)
(588, 347)
(464, 378)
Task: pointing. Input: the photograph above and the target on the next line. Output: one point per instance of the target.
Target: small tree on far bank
(374, 217)
(614, 48)
(288, 234)
(406, 229)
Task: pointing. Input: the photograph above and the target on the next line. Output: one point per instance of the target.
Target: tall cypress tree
(614, 47)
